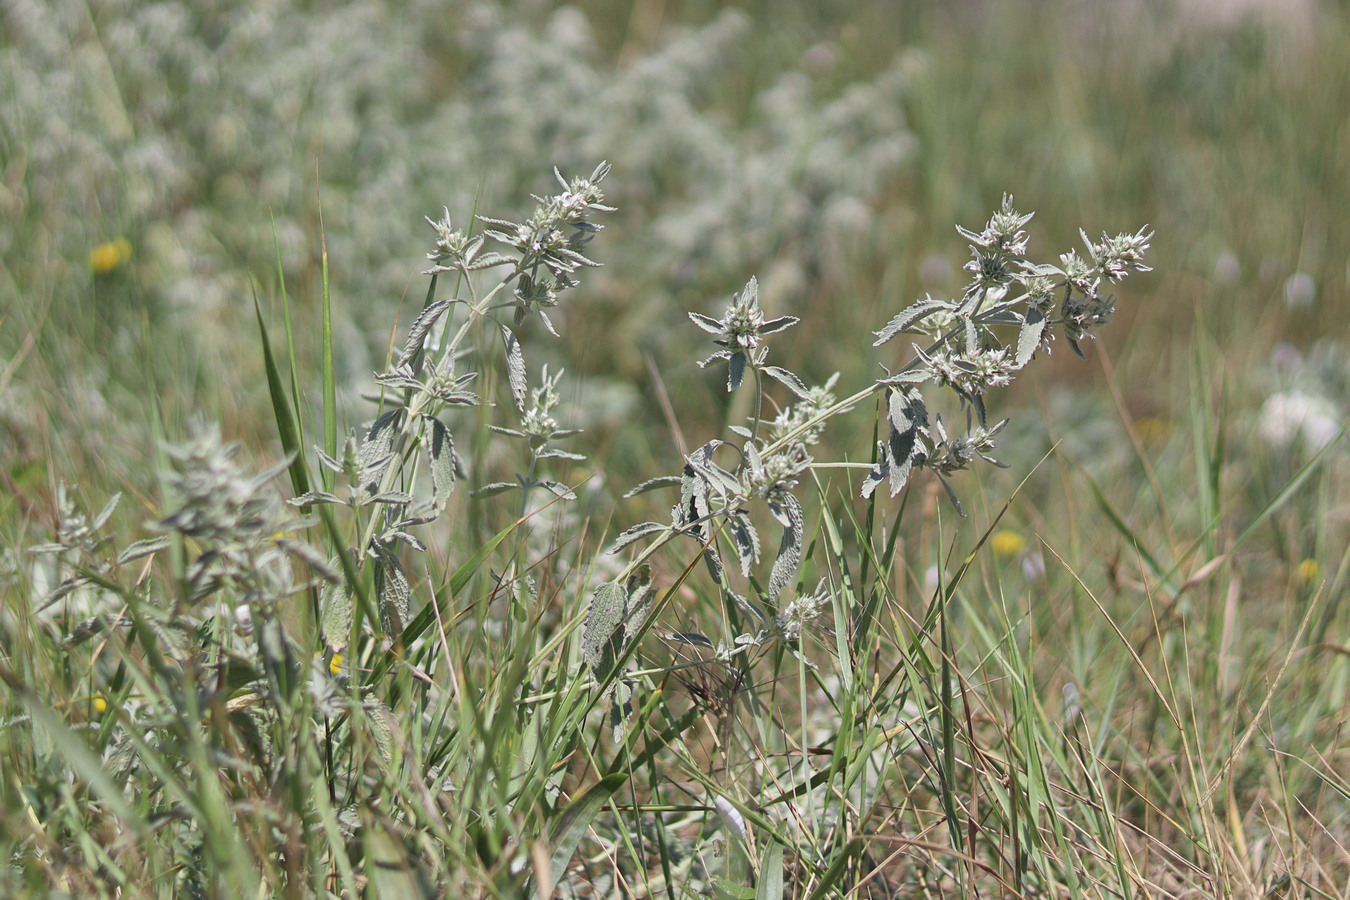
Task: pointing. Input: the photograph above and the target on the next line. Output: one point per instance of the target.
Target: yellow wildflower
(100, 705)
(1153, 430)
(1007, 542)
(335, 664)
(107, 258)
(1306, 571)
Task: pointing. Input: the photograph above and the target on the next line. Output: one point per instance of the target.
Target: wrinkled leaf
(383, 724)
(745, 541)
(490, 490)
(748, 609)
(790, 548)
(441, 453)
(106, 513)
(142, 548)
(488, 260)
(1029, 339)
(515, 368)
(906, 319)
(652, 484)
(788, 380)
(972, 337)
(908, 376)
(392, 590)
(640, 594)
(608, 605)
(91, 627)
(735, 370)
(377, 450)
(903, 449)
(636, 533)
(421, 325)
(907, 416)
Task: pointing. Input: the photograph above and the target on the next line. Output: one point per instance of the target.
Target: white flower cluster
(1304, 408)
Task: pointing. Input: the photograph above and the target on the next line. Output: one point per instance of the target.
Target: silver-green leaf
(515, 368)
(789, 558)
(1029, 339)
(441, 453)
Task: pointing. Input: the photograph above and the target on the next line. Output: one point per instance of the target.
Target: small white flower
(243, 618)
(1292, 415)
(1300, 291)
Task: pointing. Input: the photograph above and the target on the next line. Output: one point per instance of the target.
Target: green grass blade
(837, 867)
(330, 414)
(287, 431)
(770, 885)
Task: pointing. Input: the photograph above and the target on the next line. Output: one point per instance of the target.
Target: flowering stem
(477, 311)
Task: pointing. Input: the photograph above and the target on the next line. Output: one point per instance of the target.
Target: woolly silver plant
(963, 351)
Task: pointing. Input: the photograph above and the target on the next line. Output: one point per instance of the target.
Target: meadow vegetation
(503, 449)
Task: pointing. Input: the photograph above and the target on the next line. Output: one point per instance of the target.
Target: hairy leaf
(1029, 339)
(441, 455)
(377, 450)
(636, 533)
(788, 380)
(707, 323)
(744, 539)
(906, 319)
(392, 590)
(515, 368)
(735, 370)
(336, 602)
(421, 325)
(652, 484)
(790, 548)
(608, 606)
(142, 548)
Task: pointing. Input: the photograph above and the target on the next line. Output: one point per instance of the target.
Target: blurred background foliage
(826, 148)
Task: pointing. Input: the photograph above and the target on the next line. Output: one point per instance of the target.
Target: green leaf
(770, 885)
(393, 868)
(790, 548)
(744, 539)
(1029, 339)
(788, 380)
(574, 821)
(142, 548)
(735, 370)
(281, 410)
(417, 333)
(441, 453)
(608, 607)
(636, 533)
(383, 724)
(336, 600)
(906, 320)
(515, 369)
(392, 590)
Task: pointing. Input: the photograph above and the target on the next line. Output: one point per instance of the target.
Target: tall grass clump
(424, 677)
